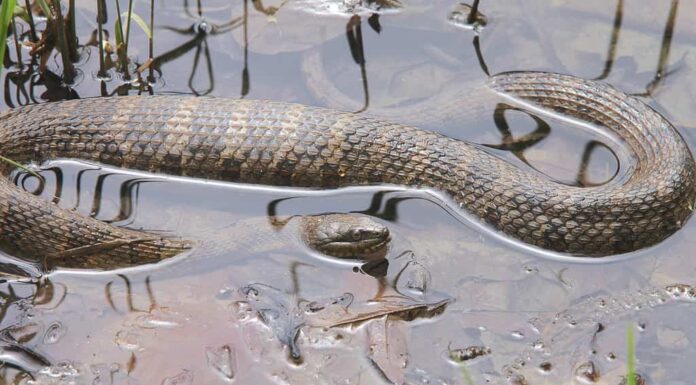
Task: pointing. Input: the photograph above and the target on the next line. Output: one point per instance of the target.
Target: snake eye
(356, 234)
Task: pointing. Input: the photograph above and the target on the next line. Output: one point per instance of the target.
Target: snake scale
(283, 144)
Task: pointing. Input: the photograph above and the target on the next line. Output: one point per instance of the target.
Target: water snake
(284, 144)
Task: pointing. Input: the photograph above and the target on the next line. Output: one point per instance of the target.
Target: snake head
(353, 236)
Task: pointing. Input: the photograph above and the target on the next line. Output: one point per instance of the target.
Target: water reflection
(19, 301)
(661, 72)
(355, 42)
(613, 42)
(119, 199)
(201, 29)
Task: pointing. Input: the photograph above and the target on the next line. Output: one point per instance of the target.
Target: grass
(6, 14)
(630, 357)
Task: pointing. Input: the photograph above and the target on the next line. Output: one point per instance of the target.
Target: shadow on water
(252, 306)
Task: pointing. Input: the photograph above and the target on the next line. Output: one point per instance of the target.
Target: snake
(286, 144)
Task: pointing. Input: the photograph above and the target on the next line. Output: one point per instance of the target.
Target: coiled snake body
(284, 144)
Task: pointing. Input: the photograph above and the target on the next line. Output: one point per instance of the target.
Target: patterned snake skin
(283, 144)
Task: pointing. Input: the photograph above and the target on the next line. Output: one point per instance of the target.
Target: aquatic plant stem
(245, 70)
(471, 19)
(151, 43)
(128, 25)
(61, 35)
(121, 49)
(32, 26)
(101, 19)
(630, 357)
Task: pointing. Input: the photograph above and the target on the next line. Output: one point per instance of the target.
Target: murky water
(455, 304)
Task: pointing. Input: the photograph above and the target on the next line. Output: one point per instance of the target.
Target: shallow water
(237, 307)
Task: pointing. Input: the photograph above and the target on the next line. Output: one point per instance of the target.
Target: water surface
(199, 318)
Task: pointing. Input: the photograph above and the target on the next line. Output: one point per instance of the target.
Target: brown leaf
(387, 347)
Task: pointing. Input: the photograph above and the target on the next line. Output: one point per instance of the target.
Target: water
(528, 313)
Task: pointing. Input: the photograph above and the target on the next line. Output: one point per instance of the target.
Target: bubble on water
(587, 373)
(545, 367)
(538, 345)
(517, 334)
(159, 321)
(637, 380)
(601, 302)
(642, 326)
(54, 333)
(128, 340)
(347, 7)
(63, 373)
(222, 360)
(185, 377)
(681, 291)
(530, 269)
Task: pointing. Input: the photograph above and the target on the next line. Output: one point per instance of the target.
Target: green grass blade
(141, 23)
(19, 166)
(6, 12)
(119, 32)
(630, 357)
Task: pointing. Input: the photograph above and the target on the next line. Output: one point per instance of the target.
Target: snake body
(283, 144)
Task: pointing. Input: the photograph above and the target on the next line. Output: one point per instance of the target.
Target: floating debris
(468, 353)
(387, 348)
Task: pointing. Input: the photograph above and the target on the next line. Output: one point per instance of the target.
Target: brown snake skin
(281, 144)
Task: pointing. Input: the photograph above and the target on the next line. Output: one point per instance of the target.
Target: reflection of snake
(293, 145)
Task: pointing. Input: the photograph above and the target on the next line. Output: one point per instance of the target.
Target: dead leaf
(387, 347)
